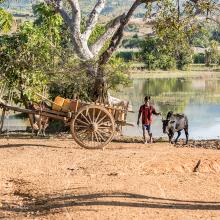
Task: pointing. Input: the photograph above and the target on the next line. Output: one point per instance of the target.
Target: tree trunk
(98, 86)
(99, 89)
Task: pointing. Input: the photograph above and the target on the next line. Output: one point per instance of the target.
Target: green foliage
(28, 56)
(184, 59)
(175, 33)
(117, 74)
(166, 62)
(216, 35)
(150, 52)
(98, 31)
(132, 28)
(128, 55)
(155, 54)
(201, 38)
(23, 59)
(177, 29)
(6, 20)
(212, 54)
(48, 21)
(74, 81)
(133, 42)
(199, 58)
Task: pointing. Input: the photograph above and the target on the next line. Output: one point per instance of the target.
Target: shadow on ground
(26, 145)
(56, 203)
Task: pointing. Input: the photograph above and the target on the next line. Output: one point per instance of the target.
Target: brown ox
(40, 122)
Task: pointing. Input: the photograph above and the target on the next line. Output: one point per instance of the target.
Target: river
(197, 97)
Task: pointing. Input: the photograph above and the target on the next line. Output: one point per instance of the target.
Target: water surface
(198, 98)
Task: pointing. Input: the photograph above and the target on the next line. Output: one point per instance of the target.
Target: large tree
(113, 34)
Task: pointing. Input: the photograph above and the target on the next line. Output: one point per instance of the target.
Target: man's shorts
(147, 127)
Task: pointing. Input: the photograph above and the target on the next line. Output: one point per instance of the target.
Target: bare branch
(63, 13)
(116, 39)
(110, 30)
(80, 44)
(93, 18)
(76, 15)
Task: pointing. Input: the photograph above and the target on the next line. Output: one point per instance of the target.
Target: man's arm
(139, 115)
(155, 112)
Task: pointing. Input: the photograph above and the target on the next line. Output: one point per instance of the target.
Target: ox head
(167, 124)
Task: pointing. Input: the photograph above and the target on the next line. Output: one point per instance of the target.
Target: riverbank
(140, 74)
(194, 71)
(54, 178)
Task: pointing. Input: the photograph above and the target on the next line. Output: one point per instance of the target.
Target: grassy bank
(195, 70)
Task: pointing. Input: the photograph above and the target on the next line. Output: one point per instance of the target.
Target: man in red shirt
(147, 111)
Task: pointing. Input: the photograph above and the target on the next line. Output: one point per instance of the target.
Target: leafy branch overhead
(6, 20)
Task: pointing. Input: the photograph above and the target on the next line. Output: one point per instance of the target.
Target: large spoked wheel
(93, 127)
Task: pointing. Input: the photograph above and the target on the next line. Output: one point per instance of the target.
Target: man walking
(147, 110)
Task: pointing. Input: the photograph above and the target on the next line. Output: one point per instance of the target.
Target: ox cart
(93, 125)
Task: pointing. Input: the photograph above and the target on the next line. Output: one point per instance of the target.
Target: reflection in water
(15, 122)
(198, 98)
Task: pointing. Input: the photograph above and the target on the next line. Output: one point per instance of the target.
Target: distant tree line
(158, 55)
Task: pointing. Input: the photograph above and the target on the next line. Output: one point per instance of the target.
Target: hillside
(112, 7)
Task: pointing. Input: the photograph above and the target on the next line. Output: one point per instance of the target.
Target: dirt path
(56, 179)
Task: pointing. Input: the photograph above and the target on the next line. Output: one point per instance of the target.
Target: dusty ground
(56, 179)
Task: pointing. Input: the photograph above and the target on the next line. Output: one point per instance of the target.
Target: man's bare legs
(149, 134)
(144, 134)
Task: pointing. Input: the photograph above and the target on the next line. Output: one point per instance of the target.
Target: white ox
(118, 102)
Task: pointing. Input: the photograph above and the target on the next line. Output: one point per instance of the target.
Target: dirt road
(56, 179)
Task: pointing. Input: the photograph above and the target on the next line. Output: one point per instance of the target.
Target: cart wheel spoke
(85, 118)
(82, 122)
(96, 136)
(97, 118)
(89, 117)
(100, 135)
(92, 136)
(93, 115)
(81, 126)
(106, 133)
(101, 119)
(86, 129)
(105, 127)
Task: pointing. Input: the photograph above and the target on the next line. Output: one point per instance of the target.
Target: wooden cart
(93, 125)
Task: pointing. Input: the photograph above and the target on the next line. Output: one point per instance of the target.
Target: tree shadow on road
(57, 203)
(27, 145)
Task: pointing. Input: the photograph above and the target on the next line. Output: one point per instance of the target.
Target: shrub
(166, 62)
(199, 58)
